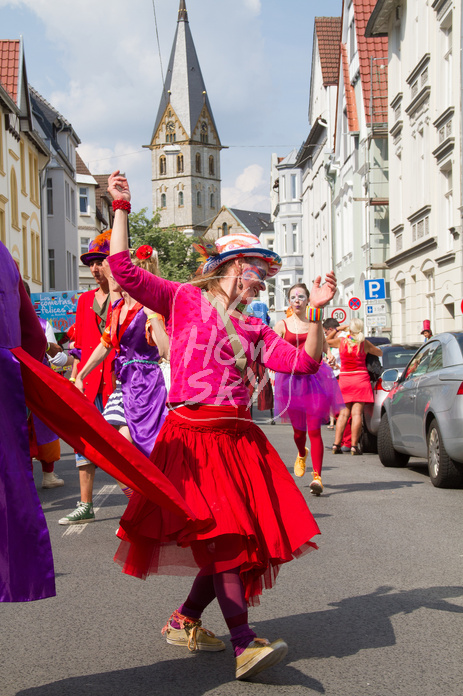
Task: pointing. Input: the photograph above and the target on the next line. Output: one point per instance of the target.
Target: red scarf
(118, 331)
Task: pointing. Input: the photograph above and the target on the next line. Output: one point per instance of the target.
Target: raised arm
(320, 295)
(151, 291)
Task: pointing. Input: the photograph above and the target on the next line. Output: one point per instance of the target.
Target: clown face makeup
(253, 275)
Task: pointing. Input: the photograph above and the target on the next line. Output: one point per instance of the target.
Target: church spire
(182, 12)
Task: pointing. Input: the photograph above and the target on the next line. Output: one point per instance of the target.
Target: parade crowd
(163, 378)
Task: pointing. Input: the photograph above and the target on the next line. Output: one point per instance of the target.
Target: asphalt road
(377, 610)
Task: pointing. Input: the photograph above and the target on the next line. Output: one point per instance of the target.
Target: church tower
(185, 145)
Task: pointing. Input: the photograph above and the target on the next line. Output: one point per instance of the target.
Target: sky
(99, 64)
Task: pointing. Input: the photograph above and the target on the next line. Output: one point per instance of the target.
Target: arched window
(211, 165)
(14, 199)
(212, 200)
(162, 165)
(198, 199)
(198, 163)
(179, 164)
(163, 200)
(224, 229)
(180, 198)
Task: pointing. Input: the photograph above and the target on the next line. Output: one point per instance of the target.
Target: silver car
(395, 355)
(422, 415)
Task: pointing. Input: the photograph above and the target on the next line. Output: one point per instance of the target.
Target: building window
(25, 253)
(163, 200)
(34, 178)
(179, 164)
(14, 199)
(83, 199)
(224, 229)
(2, 227)
(198, 163)
(293, 186)
(212, 200)
(49, 197)
(285, 241)
(23, 167)
(67, 200)
(294, 239)
(68, 270)
(270, 243)
(211, 166)
(198, 198)
(51, 267)
(180, 199)
(35, 253)
(446, 74)
(73, 206)
(162, 165)
(84, 242)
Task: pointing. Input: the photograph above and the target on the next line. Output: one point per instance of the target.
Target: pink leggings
(316, 447)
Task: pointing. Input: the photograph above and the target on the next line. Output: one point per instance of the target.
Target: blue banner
(59, 308)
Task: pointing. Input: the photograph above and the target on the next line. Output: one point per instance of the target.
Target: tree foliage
(177, 258)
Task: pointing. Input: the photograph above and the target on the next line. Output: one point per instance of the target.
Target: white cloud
(253, 5)
(250, 190)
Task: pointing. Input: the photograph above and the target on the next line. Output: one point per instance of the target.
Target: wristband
(122, 205)
(315, 314)
(152, 316)
(72, 379)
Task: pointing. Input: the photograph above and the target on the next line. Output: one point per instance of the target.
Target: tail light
(460, 389)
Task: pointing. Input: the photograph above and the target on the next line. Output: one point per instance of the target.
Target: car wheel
(369, 441)
(387, 454)
(443, 471)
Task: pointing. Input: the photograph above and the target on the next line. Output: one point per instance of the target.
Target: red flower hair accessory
(144, 252)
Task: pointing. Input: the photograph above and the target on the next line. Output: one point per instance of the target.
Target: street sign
(376, 320)
(375, 289)
(339, 314)
(379, 308)
(354, 303)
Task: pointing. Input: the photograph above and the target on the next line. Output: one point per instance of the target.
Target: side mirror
(388, 378)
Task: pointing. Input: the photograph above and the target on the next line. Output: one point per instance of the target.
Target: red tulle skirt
(252, 514)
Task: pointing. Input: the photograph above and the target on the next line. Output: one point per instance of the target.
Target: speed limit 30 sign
(339, 314)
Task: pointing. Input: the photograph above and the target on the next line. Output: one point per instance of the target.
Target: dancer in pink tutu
(305, 401)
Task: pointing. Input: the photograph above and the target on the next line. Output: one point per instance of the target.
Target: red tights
(316, 447)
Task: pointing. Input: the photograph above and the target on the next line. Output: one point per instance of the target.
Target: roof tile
(373, 55)
(328, 30)
(9, 67)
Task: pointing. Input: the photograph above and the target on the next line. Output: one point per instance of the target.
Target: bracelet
(72, 379)
(315, 314)
(122, 205)
(47, 348)
(152, 316)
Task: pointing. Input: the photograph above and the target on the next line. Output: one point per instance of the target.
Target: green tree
(177, 258)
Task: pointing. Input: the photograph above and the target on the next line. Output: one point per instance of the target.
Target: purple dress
(144, 391)
(26, 561)
(43, 433)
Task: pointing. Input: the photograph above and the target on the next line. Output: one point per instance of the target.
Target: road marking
(99, 499)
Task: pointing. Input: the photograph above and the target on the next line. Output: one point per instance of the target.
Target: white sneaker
(50, 480)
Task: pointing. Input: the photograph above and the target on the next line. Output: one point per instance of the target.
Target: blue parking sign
(375, 289)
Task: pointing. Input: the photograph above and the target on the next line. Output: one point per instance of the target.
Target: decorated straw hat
(236, 246)
(98, 249)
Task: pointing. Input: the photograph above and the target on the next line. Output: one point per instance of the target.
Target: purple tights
(229, 590)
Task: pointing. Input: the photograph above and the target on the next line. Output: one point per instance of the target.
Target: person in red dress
(254, 517)
(354, 382)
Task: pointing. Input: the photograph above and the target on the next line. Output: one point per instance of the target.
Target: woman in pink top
(354, 382)
(254, 517)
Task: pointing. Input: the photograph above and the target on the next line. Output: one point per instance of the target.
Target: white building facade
(425, 126)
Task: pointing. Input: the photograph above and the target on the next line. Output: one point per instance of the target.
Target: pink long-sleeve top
(202, 361)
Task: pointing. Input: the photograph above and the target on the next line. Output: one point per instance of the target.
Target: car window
(420, 362)
(398, 357)
(436, 361)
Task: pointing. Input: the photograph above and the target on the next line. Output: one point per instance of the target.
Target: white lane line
(98, 501)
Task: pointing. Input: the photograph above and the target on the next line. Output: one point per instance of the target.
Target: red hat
(426, 326)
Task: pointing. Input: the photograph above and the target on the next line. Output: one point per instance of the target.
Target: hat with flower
(236, 246)
(98, 249)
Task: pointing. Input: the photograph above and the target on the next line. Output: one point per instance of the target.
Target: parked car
(422, 415)
(395, 355)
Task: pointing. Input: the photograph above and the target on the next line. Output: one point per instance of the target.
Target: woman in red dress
(354, 382)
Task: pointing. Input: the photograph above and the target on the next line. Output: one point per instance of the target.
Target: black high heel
(336, 449)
